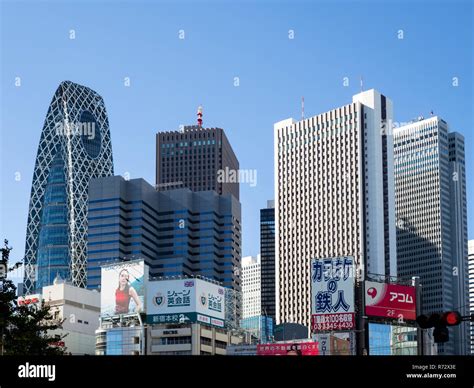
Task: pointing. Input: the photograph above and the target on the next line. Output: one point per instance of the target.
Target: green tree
(24, 329)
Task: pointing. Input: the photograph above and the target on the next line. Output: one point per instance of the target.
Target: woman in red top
(123, 293)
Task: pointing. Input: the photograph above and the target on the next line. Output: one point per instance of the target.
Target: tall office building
(334, 196)
(430, 186)
(471, 289)
(198, 158)
(177, 232)
(267, 254)
(253, 320)
(251, 291)
(74, 147)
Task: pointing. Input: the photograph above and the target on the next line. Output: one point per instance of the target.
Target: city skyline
(238, 96)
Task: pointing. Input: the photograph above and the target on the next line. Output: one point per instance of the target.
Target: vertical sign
(332, 294)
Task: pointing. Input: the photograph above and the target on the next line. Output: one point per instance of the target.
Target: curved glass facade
(53, 250)
(74, 147)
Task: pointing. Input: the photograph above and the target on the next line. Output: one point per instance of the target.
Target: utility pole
(361, 327)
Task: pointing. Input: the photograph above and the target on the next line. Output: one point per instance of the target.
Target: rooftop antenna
(302, 108)
(361, 84)
(199, 115)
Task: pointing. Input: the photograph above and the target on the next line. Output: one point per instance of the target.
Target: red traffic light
(452, 318)
(448, 318)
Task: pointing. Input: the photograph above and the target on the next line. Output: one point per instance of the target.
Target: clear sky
(170, 77)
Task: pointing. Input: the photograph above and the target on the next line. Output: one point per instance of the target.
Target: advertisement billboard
(332, 294)
(390, 301)
(29, 300)
(186, 300)
(335, 344)
(123, 288)
(288, 349)
(241, 350)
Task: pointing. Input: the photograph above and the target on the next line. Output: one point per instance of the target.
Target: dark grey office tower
(267, 257)
(193, 158)
(177, 232)
(430, 198)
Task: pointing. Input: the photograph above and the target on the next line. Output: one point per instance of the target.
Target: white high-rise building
(251, 288)
(471, 289)
(430, 192)
(334, 196)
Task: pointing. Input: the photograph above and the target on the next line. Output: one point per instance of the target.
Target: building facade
(177, 232)
(430, 184)
(77, 308)
(125, 340)
(190, 339)
(267, 254)
(251, 291)
(193, 158)
(74, 147)
(471, 289)
(259, 327)
(334, 196)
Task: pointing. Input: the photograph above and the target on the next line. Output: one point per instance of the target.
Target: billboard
(335, 344)
(29, 300)
(241, 350)
(390, 301)
(123, 288)
(332, 294)
(288, 349)
(185, 300)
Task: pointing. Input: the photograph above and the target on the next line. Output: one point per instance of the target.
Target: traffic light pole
(361, 333)
(419, 332)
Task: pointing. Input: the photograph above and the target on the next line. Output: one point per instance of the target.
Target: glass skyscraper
(267, 254)
(177, 232)
(74, 147)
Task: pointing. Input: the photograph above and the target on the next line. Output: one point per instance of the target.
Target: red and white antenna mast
(199, 115)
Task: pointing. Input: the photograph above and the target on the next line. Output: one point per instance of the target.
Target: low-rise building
(190, 339)
(78, 308)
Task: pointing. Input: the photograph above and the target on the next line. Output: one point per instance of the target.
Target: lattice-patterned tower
(74, 147)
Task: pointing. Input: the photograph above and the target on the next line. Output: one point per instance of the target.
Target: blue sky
(170, 77)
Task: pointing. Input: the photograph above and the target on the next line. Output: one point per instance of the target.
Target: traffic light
(440, 322)
(452, 318)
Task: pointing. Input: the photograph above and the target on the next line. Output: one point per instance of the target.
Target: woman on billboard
(124, 292)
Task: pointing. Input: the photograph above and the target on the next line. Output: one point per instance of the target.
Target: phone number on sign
(333, 322)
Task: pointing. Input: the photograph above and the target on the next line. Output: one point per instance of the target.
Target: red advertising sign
(288, 349)
(30, 299)
(390, 301)
(331, 322)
